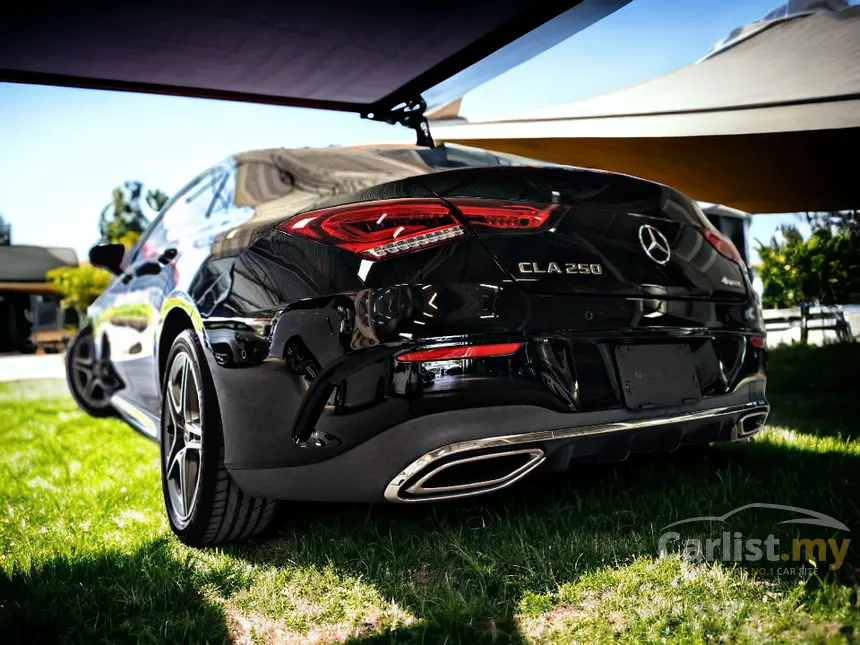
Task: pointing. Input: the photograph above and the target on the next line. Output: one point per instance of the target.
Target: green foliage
(123, 220)
(79, 286)
(825, 268)
(834, 219)
(156, 199)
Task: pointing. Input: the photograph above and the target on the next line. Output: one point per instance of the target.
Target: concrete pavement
(19, 367)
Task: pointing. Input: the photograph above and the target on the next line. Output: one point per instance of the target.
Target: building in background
(28, 304)
(732, 223)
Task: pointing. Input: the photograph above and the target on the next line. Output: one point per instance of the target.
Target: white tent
(768, 122)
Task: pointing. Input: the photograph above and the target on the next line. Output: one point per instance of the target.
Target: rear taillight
(758, 341)
(376, 230)
(723, 245)
(494, 217)
(463, 351)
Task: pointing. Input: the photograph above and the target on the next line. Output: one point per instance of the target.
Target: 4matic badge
(570, 268)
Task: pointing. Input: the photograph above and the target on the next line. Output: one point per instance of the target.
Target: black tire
(91, 394)
(219, 512)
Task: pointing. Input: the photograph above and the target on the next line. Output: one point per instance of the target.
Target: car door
(164, 260)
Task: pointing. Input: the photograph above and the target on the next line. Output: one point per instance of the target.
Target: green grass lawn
(87, 555)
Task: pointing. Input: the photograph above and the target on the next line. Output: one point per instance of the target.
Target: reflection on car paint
(301, 338)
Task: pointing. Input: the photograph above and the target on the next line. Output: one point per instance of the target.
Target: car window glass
(220, 216)
(195, 217)
(163, 232)
(191, 213)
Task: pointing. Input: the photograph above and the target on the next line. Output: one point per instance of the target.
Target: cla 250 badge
(555, 267)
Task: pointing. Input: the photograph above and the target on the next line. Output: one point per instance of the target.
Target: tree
(834, 220)
(825, 268)
(79, 286)
(5, 232)
(156, 199)
(122, 221)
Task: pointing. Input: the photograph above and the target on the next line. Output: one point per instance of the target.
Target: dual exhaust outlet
(460, 475)
(748, 425)
(484, 465)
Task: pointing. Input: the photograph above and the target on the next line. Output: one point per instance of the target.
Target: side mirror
(108, 256)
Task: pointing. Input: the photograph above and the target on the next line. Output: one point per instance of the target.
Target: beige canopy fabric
(770, 124)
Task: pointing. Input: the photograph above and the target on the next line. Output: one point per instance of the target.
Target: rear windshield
(449, 155)
(582, 187)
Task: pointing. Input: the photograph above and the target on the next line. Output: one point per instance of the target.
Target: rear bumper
(328, 370)
(392, 465)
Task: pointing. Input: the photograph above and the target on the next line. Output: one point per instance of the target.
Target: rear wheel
(203, 503)
(91, 379)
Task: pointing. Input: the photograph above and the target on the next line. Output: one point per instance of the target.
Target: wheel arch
(177, 315)
(174, 324)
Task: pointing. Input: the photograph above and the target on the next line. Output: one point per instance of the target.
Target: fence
(813, 324)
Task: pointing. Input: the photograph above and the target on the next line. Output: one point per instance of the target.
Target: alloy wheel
(90, 376)
(183, 439)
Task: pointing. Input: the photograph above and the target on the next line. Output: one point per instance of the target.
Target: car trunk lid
(608, 234)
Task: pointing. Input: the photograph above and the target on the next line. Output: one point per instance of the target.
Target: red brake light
(464, 351)
(758, 341)
(377, 229)
(723, 245)
(491, 216)
(380, 229)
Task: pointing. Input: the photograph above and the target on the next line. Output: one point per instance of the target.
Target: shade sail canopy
(770, 124)
(335, 54)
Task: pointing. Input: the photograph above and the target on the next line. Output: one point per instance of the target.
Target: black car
(273, 326)
(427, 376)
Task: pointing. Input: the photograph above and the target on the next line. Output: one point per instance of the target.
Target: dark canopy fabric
(334, 54)
(770, 124)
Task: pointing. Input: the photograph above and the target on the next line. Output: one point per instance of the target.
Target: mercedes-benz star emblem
(655, 244)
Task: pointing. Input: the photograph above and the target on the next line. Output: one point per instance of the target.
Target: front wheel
(203, 503)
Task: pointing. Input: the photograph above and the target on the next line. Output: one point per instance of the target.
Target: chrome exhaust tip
(749, 424)
(435, 477)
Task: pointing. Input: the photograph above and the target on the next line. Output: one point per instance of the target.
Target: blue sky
(63, 150)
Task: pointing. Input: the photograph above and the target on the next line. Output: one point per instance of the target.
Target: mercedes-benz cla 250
(409, 324)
